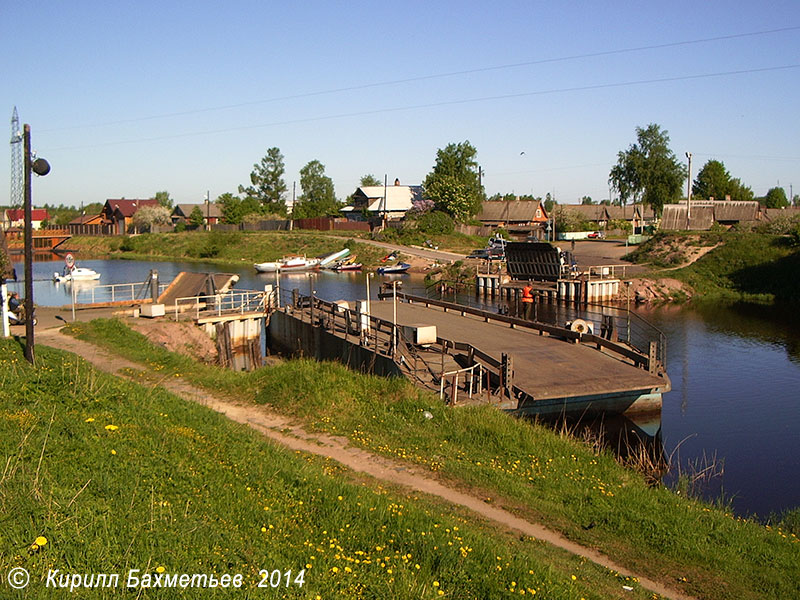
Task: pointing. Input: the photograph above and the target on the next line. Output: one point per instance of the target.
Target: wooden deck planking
(544, 367)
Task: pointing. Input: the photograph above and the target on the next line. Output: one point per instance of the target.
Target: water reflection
(635, 440)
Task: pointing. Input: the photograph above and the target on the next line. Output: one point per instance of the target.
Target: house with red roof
(15, 217)
(119, 213)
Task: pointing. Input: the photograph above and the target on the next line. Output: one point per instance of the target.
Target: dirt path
(287, 433)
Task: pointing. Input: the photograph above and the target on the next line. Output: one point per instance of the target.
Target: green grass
(245, 247)
(236, 247)
(118, 476)
(747, 266)
(527, 468)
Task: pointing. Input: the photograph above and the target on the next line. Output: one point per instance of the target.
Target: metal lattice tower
(17, 176)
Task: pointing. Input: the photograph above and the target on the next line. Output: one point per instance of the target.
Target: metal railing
(233, 302)
(87, 292)
(634, 345)
(469, 382)
(626, 325)
(386, 339)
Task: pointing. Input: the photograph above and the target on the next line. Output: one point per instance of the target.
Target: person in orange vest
(527, 300)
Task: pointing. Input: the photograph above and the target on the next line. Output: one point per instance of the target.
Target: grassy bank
(745, 266)
(237, 247)
(526, 468)
(101, 475)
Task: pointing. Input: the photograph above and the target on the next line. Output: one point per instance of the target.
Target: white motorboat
(267, 267)
(288, 264)
(76, 274)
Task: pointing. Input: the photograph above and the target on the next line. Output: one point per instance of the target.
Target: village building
(600, 215)
(15, 218)
(211, 211)
(703, 214)
(393, 201)
(119, 213)
(518, 217)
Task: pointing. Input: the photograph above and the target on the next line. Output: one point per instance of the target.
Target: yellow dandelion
(89, 420)
(40, 541)
(114, 452)
(111, 427)
(160, 569)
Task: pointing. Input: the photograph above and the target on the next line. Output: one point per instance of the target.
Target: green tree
(451, 196)
(318, 198)
(196, 217)
(714, 181)
(648, 170)
(587, 200)
(454, 184)
(234, 209)
(775, 198)
(267, 184)
(370, 180)
(164, 200)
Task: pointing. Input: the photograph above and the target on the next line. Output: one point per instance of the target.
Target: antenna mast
(16, 197)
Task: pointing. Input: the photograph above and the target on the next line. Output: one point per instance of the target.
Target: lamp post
(628, 305)
(394, 317)
(41, 167)
(689, 192)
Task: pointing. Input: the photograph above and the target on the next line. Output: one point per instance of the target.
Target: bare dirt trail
(284, 431)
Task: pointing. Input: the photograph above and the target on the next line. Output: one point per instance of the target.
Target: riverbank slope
(525, 469)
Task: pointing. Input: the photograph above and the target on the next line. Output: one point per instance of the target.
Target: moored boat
(76, 274)
(329, 259)
(398, 268)
(288, 264)
(351, 266)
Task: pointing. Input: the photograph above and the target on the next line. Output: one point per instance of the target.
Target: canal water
(735, 372)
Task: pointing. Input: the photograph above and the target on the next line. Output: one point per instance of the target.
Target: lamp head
(41, 167)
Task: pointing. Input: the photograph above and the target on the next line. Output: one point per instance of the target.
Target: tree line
(647, 172)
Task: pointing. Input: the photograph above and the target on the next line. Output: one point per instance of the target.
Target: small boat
(329, 259)
(347, 266)
(267, 267)
(76, 274)
(398, 268)
(288, 264)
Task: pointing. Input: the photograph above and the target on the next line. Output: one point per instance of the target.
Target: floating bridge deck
(555, 370)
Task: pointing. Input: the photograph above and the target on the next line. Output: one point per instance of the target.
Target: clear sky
(129, 98)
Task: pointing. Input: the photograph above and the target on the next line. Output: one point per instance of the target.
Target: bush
(127, 245)
(435, 223)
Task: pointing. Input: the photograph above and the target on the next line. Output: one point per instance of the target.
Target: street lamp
(689, 191)
(41, 167)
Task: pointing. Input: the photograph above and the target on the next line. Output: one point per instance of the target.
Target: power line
(436, 105)
(432, 76)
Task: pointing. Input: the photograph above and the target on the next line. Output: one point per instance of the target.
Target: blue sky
(129, 98)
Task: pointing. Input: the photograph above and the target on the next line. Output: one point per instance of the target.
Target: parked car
(596, 235)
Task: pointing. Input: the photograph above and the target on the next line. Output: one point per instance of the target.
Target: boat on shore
(398, 268)
(76, 274)
(347, 266)
(330, 259)
(289, 264)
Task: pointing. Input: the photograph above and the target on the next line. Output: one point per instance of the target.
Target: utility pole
(29, 342)
(41, 167)
(689, 192)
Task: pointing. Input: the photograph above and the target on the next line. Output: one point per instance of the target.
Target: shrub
(435, 223)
